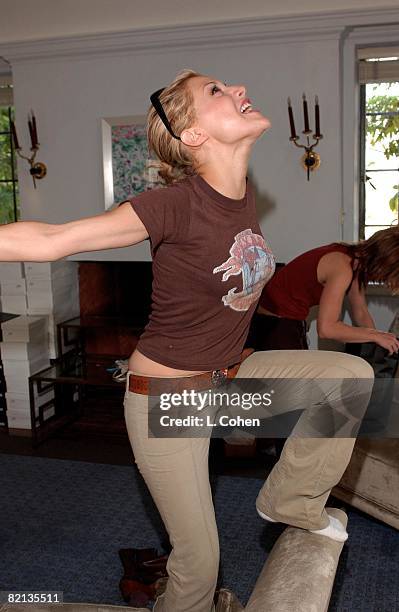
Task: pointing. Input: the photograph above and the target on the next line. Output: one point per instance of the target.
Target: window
(379, 139)
(9, 194)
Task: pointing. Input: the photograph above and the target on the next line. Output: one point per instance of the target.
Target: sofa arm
(299, 573)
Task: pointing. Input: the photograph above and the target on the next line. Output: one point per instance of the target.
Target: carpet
(62, 523)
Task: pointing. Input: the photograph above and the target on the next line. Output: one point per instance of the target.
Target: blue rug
(62, 523)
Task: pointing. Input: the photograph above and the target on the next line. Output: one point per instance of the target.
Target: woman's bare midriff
(140, 364)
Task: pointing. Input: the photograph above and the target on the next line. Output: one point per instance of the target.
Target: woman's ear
(193, 137)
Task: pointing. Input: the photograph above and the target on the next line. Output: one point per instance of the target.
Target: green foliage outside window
(9, 196)
(384, 129)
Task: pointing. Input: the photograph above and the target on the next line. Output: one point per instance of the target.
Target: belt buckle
(218, 377)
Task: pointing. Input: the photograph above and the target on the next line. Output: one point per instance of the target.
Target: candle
(305, 115)
(14, 136)
(34, 128)
(32, 136)
(317, 117)
(291, 117)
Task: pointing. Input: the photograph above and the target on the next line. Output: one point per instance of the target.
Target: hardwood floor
(83, 441)
(74, 445)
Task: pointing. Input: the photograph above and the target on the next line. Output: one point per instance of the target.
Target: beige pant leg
(297, 488)
(176, 473)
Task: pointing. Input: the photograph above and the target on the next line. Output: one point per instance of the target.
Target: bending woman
(210, 263)
(324, 277)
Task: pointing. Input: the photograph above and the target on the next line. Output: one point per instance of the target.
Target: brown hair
(175, 161)
(377, 258)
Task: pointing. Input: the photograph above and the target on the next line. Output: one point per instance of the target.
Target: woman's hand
(387, 340)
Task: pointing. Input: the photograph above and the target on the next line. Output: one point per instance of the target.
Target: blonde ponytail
(175, 161)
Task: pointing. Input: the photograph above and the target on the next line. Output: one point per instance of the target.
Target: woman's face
(225, 112)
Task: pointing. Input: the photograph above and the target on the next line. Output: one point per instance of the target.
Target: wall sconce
(310, 160)
(37, 170)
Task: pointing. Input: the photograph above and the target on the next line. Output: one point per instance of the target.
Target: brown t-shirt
(210, 263)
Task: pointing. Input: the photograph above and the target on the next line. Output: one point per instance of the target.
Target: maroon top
(210, 263)
(294, 289)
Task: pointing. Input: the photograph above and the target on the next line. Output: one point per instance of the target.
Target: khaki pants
(176, 473)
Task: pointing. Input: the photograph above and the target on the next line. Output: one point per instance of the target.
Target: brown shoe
(155, 565)
(142, 569)
(131, 589)
(130, 557)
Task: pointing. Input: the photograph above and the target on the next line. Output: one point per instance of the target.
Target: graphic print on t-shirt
(253, 259)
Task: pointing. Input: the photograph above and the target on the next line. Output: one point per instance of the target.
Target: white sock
(264, 516)
(335, 530)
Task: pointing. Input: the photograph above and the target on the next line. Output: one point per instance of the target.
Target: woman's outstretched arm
(330, 326)
(35, 241)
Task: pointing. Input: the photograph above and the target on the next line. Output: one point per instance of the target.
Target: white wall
(22, 20)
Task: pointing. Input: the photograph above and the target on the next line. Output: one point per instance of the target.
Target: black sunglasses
(161, 113)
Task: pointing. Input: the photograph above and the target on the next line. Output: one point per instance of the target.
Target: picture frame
(126, 160)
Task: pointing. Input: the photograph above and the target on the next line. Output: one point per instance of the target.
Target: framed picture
(126, 160)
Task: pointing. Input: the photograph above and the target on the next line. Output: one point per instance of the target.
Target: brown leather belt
(143, 384)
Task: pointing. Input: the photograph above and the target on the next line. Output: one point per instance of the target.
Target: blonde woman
(210, 263)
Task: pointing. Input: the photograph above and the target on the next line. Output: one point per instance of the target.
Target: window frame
(354, 41)
(362, 165)
(14, 177)
(362, 162)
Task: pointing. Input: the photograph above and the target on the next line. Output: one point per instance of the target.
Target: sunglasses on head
(161, 113)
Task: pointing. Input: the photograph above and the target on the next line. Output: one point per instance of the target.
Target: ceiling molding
(310, 27)
(389, 32)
